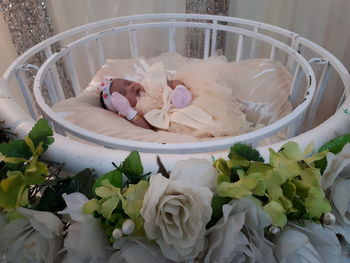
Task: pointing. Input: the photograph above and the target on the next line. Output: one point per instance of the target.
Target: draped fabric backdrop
(324, 21)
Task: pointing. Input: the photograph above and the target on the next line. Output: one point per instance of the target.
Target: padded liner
(262, 85)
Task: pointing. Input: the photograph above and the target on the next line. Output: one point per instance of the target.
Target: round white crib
(314, 70)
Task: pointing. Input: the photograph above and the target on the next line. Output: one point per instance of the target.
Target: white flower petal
(335, 165)
(46, 223)
(239, 235)
(197, 171)
(175, 214)
(75, 203)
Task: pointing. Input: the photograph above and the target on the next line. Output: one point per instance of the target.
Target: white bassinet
(313, 69)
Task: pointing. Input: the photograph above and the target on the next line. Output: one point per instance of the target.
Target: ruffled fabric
(214, 111)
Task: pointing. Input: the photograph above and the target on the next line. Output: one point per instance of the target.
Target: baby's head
(129, 89)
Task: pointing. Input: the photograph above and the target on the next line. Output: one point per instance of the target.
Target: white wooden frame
(77, 155)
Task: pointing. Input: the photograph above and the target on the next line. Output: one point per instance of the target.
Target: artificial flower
(336, 181)
(35, 238)
(137, 249)
(175, 214)
(86, 241)
(239, 235)
(336, 165)
(197, 171)
(312, 243)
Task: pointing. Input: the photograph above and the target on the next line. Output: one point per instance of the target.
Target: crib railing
(297, 53)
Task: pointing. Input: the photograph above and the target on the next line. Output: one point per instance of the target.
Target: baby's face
(130, 89)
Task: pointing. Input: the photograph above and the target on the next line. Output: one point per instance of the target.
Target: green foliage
(21, 166)
(334, 146)
(132, 167)
(287, 187)
(244, 151)
(52, 200)
(216, 204)
(41, 133)
(114, 177)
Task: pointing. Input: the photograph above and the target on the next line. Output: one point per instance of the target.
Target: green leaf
(133, 201)
(52, 200)
(91, 206)
(245, 151)
(233, 190)
(114, 177)
(132, 166)
(11, 190)
(334, 146)
(289, 190)
(16, 148)
(84, 182)
(41, 132)
(109, 205)
(292, 151)
(316, 204)
(277, 213)
(224, 171)
(217, 203)
(35, 173)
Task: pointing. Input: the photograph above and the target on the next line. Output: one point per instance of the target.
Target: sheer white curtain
(67, 14)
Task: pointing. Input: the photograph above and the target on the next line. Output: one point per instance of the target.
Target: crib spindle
(273, 53)
(100, 53)
(53, 74)
(342, 99)
(133, 43)
(26, 94)
(73, 74)
(172, 42)
(295, 85)
(91, 61)
(51, 89)
(295, 126)
(291, 63)
(253, 44)
(213, 38)
(206, 43)
(239, 52)
(321, 87)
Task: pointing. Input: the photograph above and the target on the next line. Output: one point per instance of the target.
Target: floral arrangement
(295, 208)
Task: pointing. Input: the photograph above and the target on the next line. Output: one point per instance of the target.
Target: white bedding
(261, 85)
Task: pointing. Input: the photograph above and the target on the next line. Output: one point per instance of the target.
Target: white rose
(176, 213)
(197, 171)
(86, 240)
(239, 235)
(35, 238)
(312, 243)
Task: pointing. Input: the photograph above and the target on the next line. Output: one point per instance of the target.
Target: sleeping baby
(120, 95)
(184, 104)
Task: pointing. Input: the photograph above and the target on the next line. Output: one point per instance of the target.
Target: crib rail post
(171, 37)
(134, 47)
(26, 92)
(73, 73)
(100, 53)
(321, 87)
(239, 52)
(253, 44)
(296, 85)
(213, 38)
(54, 76)
(206, 43)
